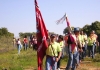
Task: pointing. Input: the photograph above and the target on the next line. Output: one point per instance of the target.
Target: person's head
(77, 31)
(60, 38)
(18, 39)
(52, 37)
(81, 32)
(25, 36)
(92, 32)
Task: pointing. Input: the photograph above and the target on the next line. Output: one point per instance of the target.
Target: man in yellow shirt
(91, 40)
(53, 54)
(95, 37)
(61, 42)
(83, 42)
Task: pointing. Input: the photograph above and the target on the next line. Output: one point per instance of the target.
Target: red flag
(42, 37)
(68, 24)
(71, 36)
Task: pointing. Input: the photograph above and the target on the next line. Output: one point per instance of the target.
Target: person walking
(19, 45)
(25, 43)
(61, 42)
(91, 46)
(72, 61)
(53, 53)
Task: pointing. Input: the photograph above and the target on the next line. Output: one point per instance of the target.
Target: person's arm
(59, 55)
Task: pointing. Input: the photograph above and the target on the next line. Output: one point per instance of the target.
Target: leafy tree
(94, 26)
(26, 34)
(4, 32)
(66, 30)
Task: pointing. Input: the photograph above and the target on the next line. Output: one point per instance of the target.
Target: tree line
(87, 29)
(4, 32)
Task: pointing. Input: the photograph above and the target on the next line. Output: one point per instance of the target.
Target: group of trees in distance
(87, 29)
(4, 32)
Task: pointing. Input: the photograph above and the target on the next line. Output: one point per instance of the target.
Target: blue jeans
(19, 48)
(85, 50)
(25, 46)
(70, 60)
(50, 63)
(73, 60)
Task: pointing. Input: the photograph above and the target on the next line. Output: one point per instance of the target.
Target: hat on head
(76, 29)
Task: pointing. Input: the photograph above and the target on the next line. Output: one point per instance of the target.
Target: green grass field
(27, 60)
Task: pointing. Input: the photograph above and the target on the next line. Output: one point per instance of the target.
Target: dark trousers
(91, 51)
(83, 53)
(59, 63)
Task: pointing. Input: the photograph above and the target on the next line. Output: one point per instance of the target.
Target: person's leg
(74, 61)
(58, 63)
(18, 49)
(54, 67)
(83, 53)
(48, 63)
(77, 58)
(25, 46)
(69, 64)
(93, 48)
(89, 51)
(80, 56)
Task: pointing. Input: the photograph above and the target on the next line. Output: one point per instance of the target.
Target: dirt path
(85, 65)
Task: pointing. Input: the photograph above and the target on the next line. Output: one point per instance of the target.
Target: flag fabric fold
(42, 36)
(61, 20)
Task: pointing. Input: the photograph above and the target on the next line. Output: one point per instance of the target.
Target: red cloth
(73, 38)
(42, 37)
(25, 40)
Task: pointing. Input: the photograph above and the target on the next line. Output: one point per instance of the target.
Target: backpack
(69, 41)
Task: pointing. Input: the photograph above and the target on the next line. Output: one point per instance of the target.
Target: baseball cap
(76, 29)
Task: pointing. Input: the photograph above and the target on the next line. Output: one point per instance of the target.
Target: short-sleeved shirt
(53, 49)
(61, 44)
(25, 40)
(65, 40)
(90, 40)
(95, 37)
(81, 39)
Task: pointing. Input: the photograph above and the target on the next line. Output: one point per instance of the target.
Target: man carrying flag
(42, 37)
(53, 53)
(72, 45)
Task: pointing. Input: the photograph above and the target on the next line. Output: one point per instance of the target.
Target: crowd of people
(83, 46)
(25, 43)
(58, 45)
